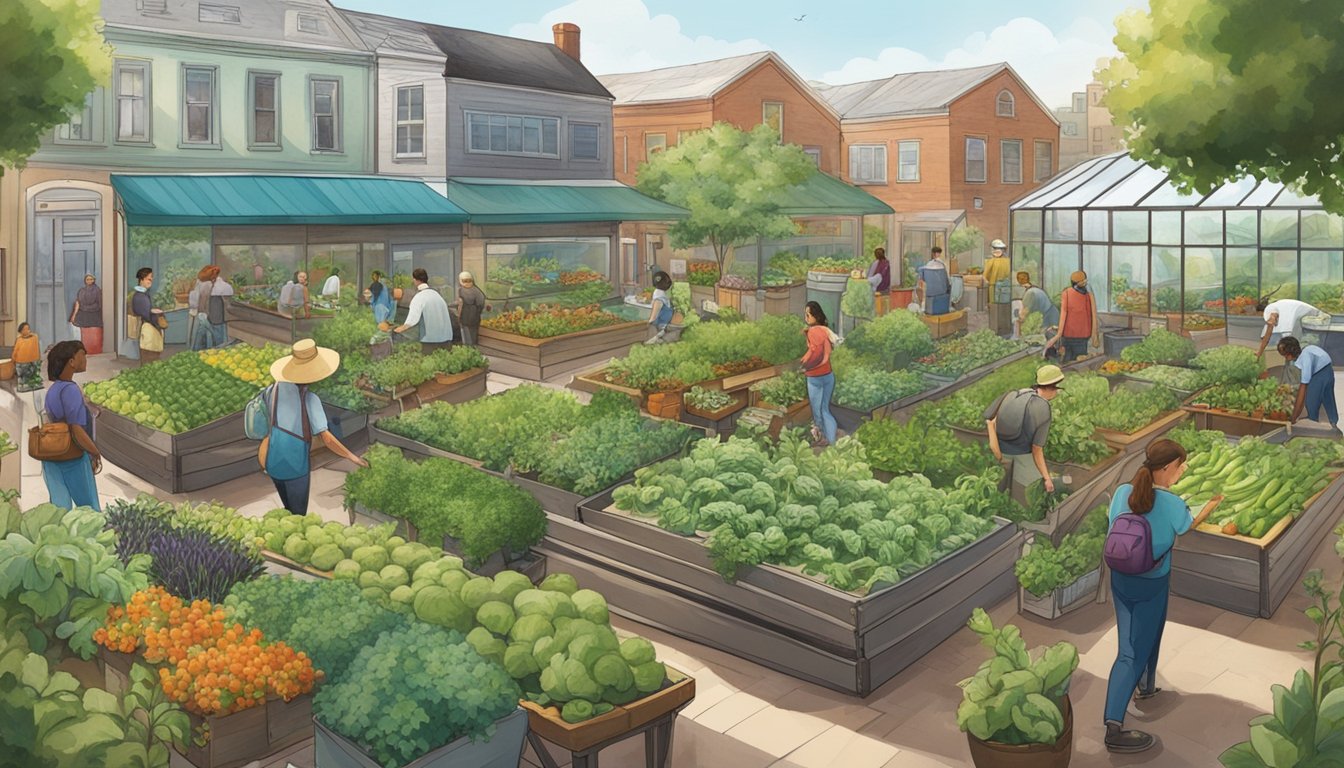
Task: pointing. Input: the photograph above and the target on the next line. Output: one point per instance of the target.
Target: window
(310, 24)
(1096, 134)
(907, 153)
(1079, 102)
(1069, 129)
(513, 134)
(975, 160)
(1096, 97)
(132, 78)
(868, 164)
(654, 142)
(198, 105)
(220, 14)
(326, 111)
(264, 90)
(562, 270)
(83, 122)
(585, 142)
(1005, 105)
(772, 114)
(411, 121)
(1010, 161)
(1043, 153)
(814, 153)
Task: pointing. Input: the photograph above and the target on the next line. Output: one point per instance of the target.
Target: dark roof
(488, 58)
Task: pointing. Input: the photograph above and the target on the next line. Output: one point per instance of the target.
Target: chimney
(567, 38)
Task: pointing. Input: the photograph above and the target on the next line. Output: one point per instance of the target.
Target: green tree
(965, 239)
(731, 181)
(1215, 90)
(874, 237)
(52, 54)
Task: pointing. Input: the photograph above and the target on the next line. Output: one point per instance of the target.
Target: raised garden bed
(975, 374)
(849, 419)
(1063, 600)
(1123, 441)
(719, 421)
(448, 388)
(774, 615)
(541, 359)
(1231, 423)
(504, 749)
(526, 563)
(283, 328)
(177, 463)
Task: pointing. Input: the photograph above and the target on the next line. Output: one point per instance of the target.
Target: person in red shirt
(1077, 320)
(817, 368)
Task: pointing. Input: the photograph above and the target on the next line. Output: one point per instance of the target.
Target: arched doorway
(64, 244)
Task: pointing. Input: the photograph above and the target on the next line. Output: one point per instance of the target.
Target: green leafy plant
(858, 299)
(1160, 346)
(708, 399)
(414, 691)
(785, 390)
(864, 389)
(959, 355)
(348, 332)
(883, 342)
(1268, 396)
(545, 322)
(1033, 325)
(1128, 410)
(1228, 365)
(709, 350)
(1171, 377)
(918, 449)
(1046, 567)
(1307, 725)
(409, 367)
(1013, 698)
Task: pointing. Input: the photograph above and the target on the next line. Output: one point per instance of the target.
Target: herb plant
(864, 389)
(960, 355)
(1180, 379)
(1160, 346)
(708, 399)
(414, 691)
(708, 350)
(916, 449)
(784, 391)
(1013, 698)
(1228, 365)
(408, 367)
(896, 334)
(1128, 410)
(544, 322)
(1266, 396)
(1047, 567)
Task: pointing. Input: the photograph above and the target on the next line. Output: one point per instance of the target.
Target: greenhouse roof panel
(1061, 185)
(1097, 184)
(1134, 188)
(1168, 196)
(1263, 196)
(1231, 194)
(1291, 198)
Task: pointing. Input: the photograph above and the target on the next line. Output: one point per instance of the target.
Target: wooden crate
(542, 359)
(664, 405)
(777, 616)
(447, 388)
(678, 691)
(1253, 576)
(945, 325)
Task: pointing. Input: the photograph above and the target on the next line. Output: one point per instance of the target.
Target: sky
(1052, 44)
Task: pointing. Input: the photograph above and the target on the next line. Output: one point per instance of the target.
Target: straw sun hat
(308, 365)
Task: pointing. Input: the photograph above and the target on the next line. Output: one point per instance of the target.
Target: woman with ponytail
(1141, 598)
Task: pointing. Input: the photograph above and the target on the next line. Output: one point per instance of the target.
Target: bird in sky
(800, 18)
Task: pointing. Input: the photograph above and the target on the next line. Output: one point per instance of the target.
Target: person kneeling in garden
(1317, 389)
(1018, 423)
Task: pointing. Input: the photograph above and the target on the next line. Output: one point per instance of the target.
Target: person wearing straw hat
(1018, 424)
(296, 416)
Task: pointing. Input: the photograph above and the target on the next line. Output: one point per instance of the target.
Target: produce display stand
(447, 388)
(187, 461)
(234, 740)
(777, 616)
(1253, 576)
(504, 748)
(541, 359)
(1063, 600)
(849, 419)
(1138, 439)
(654, 716)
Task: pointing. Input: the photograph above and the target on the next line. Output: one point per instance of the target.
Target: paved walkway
(1217, 667)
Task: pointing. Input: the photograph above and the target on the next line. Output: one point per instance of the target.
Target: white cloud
(621, 36)
(1053, 65)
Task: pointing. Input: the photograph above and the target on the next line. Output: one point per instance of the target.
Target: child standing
(27, 360)
(660, 316)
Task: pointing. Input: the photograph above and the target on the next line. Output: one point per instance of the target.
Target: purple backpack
(1129, 545)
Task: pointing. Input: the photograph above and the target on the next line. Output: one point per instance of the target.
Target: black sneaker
(1121, 741)
(1140, 694)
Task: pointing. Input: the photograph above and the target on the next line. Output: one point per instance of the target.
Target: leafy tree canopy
(731, 181)
(1215, 90)
(52, 54)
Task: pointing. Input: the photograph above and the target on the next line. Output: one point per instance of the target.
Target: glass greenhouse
(1150, 250)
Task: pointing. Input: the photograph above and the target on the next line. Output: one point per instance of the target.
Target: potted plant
(1058, 579)
(1015, 710)
(466, 707)
(400, 282)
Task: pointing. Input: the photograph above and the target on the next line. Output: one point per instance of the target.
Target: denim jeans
(938, 305)
(1072, 349)
(819, 389)
(1321, 394)
(70, 483)
(294, 494)
(1140, 615)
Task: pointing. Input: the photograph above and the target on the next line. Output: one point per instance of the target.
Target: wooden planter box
(188, 461)
(975, 374)
(270, 324)
(1205, 339)
(419, 450)
(541, 359)
(779, 300)
(447, 388)
(780, 418)
(1232, 423)
(1123, 441)
(732, 298)
(700, 294)
(1082, 475)
(545, 722)
(773, 615)
(849, 420)
(504, 749)
(718, 422)
(1253, 576)
(1063, 600)
(942, 326)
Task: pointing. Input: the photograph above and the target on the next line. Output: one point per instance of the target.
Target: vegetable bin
(503, 750)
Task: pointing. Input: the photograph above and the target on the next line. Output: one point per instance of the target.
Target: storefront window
(1322, 230)
(1096, 226)
(570, 272)
(1278, 274)
(1129, 279)
(1204, 228)
(176, 254)
(1129, 226)
(1061, 261)
(1323, 280)
(436, 259)
(1095, 264)
(1242, 228)
(1278, 229)
(258, 272)
(1166, 266)
(1204, 280)
(1026, 225)
(1243, 280)
(333, 270)
(1167, 227)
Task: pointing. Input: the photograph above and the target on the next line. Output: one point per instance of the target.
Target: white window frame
(409, 122)
(91, 118)
(336, 137)
(319, 26)
(1005, 107)
(1004, 176)
(984, 160)
(597, 137)
(651, 147)
(211, 141)
(491, 119)
(902, 146)
(877, 160)
(225, 14)
(253, 75)
(765, 120)
(1037, 154)
(144, 101)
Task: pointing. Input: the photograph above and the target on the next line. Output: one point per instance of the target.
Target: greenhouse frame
(1150, 250)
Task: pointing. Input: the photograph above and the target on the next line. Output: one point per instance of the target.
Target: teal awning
(824, 195)
(510, 201)
(220, 200)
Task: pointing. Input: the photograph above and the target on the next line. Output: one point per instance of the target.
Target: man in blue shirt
(1318, 380)
(935, 285)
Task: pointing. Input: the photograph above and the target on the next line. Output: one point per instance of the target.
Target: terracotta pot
(992, 754)
(397, 293)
